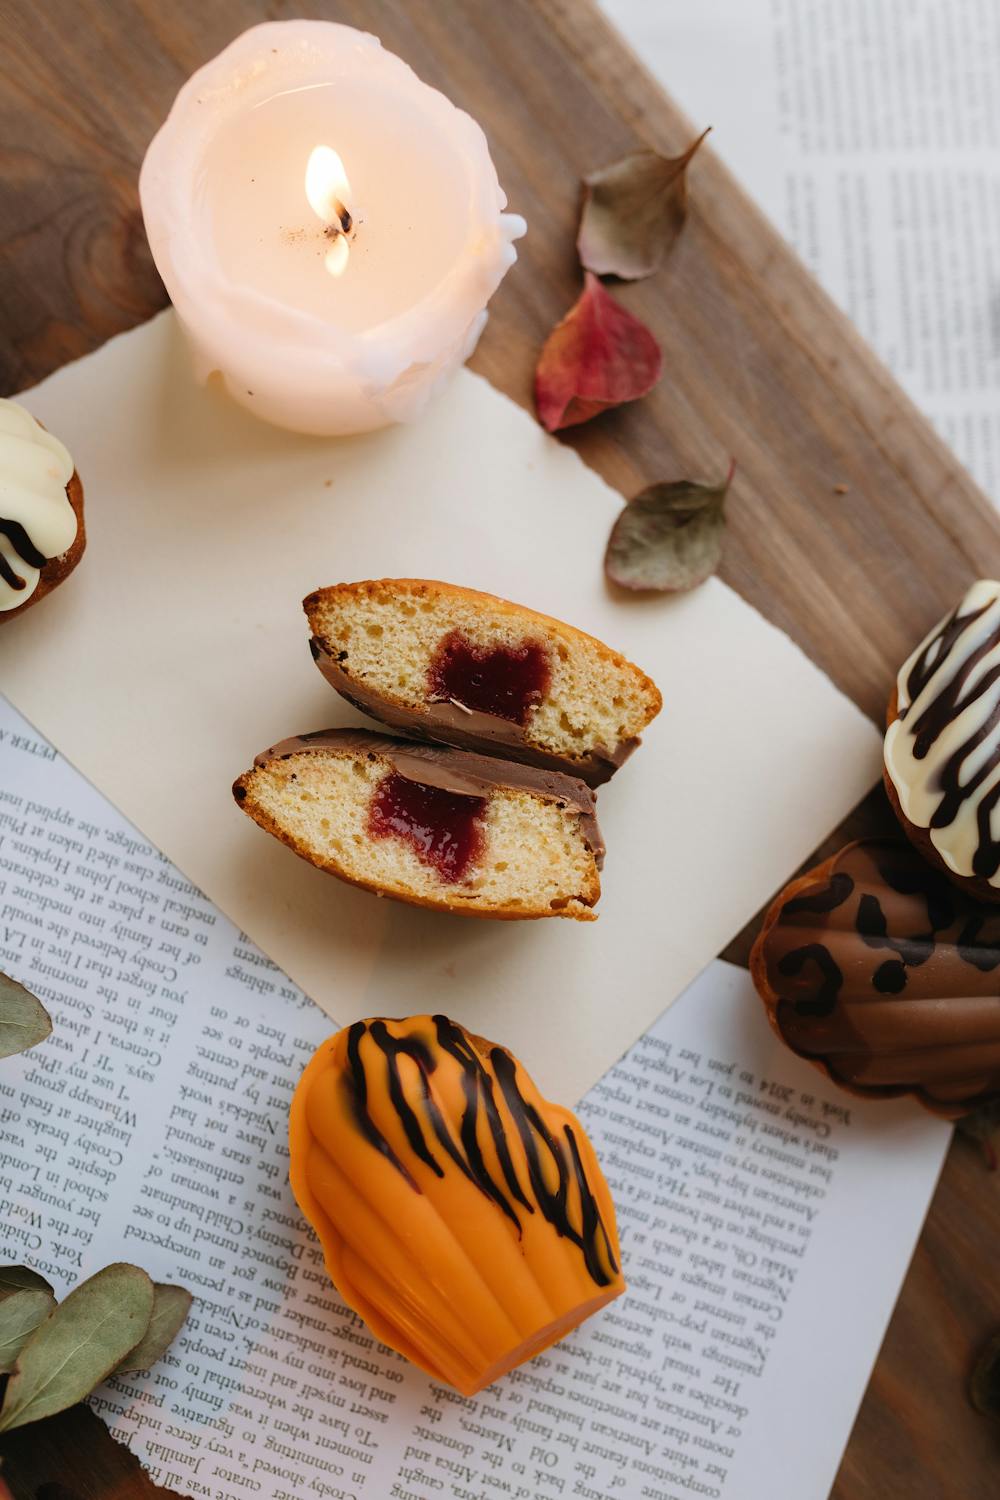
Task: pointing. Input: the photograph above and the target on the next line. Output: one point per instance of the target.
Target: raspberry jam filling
(507, 681)
(444, 829)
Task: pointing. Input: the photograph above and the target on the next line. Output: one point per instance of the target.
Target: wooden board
(758, 365)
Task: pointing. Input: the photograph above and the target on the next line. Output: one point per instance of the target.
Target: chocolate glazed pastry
(463, 1216)
(887, 977)
(467, 728)
(436, 827)
(445, 663)
(942, 745)
(461, 774)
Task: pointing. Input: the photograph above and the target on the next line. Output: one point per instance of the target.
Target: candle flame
(328, 189)
(337, 256)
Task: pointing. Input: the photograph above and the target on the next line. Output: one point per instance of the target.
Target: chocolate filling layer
(457, 771)
(468, 728)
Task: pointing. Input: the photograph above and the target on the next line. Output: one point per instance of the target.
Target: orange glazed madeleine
(462, 1216)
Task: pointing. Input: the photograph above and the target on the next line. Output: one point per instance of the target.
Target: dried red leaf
(598, 357)
(633, 212)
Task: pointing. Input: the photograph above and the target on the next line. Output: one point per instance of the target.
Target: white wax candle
(329, 228)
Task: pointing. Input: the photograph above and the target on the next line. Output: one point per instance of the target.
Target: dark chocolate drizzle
(356, 1086)
(821, 1001)
(465, 1153)
(828, 899)
(930, 659)
(24, 547)
(953, 697)
(931, 889)
(554, 1205)
(895, 986)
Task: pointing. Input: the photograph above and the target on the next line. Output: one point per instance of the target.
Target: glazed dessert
(430, 825)
(446, 663)
(942, 746)
(462, 1216)
(42, 534)
(887, 975)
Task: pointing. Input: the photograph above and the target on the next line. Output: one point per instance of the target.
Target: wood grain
(759, 366)
(72, 1457)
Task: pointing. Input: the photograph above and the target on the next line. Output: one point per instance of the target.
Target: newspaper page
(869, 131)
(151, 1127)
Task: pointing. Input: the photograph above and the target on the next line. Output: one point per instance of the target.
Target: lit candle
(329, 228)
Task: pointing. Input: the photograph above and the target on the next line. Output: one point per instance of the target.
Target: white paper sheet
(764, 1216)
(179, 650)
(869, 131)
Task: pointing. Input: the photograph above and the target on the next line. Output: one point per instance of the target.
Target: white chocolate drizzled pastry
(942, 753)
(37, 521)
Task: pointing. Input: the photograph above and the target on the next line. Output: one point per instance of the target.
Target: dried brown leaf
(669, 538)
(79, 1345)
(24, 1021)
(171, 1305)
(633, 212)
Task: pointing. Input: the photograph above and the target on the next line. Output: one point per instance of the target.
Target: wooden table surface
(851, 526)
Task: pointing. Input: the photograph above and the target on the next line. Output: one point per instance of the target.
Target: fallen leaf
(20, 1315)
(24, 1021)
(669, 538)
(171, 1305)
(79, 1345)
(633, 212)
(596, 358)
(984, 1386)
(16, 1278)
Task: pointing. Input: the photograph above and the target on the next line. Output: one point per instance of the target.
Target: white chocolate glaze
(37, 521)
(942, 754)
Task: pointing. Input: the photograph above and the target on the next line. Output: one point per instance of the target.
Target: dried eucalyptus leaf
(669, 538)
(633, 212)
(171, 1305)
(984, 1386)
(24, 1021)
(20, 1315)
(79, 1345)
(16, 1278)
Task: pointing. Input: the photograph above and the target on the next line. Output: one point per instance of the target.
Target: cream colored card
(179, 649)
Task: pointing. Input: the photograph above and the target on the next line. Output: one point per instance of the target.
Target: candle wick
(342, 224)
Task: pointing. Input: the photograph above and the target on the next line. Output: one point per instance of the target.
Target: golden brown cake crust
(58, 568)
(592, 749)
(374, 587)
(249, 792)
(243, 792)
